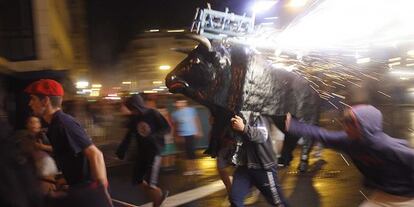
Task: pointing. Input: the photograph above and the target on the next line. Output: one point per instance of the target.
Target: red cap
(46, 87)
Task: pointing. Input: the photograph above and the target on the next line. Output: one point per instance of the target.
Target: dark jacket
(386, 162)
(254, 146)
(153, 143)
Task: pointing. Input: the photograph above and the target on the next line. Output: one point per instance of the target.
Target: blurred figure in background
(19, 186)
(147, 127)
(35, 147)
(187, 125)
(387, 163)
(168, 154)
(36, 133)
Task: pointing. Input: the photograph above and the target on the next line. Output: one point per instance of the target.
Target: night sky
(112, 24)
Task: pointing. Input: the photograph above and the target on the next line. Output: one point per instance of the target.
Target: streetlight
(165, 67)
(261, 6)
(82, 84)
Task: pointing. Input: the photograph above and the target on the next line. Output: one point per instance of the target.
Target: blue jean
(264, 180)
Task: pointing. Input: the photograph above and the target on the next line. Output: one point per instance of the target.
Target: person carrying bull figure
(387, 163)
(255, 160)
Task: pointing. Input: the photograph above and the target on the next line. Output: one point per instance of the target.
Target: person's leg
(191, 164)
(304, 157)
(151, 180)
(240, 187)
(266, 181)
(154, 193)
(287, 149)
(224, 175)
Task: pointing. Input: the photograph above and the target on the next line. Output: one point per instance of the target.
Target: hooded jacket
(154, 142)
(387, 163)
(254, 146)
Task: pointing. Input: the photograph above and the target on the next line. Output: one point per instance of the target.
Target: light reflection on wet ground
(329, 183)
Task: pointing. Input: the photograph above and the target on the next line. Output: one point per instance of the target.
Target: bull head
(204, 74)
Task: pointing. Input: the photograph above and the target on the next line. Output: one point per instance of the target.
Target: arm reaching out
(332, 139)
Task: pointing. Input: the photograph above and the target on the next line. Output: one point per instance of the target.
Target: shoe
(281, 163)
(164, 196)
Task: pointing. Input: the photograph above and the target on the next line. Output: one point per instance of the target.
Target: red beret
(46, 87)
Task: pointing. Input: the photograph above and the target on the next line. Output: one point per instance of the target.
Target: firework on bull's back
(273, 72)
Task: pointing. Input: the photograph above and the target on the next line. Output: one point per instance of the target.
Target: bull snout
(175, 84)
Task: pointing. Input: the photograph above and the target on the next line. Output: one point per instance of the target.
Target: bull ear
(202, 40)
(182, 50)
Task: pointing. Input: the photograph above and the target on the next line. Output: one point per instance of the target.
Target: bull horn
(202, 40)
(182, 50)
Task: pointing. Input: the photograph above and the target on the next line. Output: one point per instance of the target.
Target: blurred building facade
(43, 35)
(39, 39)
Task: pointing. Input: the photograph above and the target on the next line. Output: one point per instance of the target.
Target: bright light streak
(165, 67)
(96, 85)
(157, 89)
(410, 53)
(154, 30)
(409, 64)
(394, 64)
(150, 91)
(363, 60)
(263, 5)
(156, 82)
(402, 72)
(394, 59)
(175, 30)
(350, 24)
(297, 3)
(113, 95)
(271, 18)
(113, 98)
(267, 23)
(126, 82)
(94, 93)
(82, 84)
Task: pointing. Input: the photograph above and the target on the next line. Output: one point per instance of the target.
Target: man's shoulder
(63, 119)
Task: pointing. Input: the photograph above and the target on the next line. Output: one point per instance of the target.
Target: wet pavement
(330, 182)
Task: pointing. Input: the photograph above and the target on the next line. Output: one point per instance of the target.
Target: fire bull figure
(232, 79)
